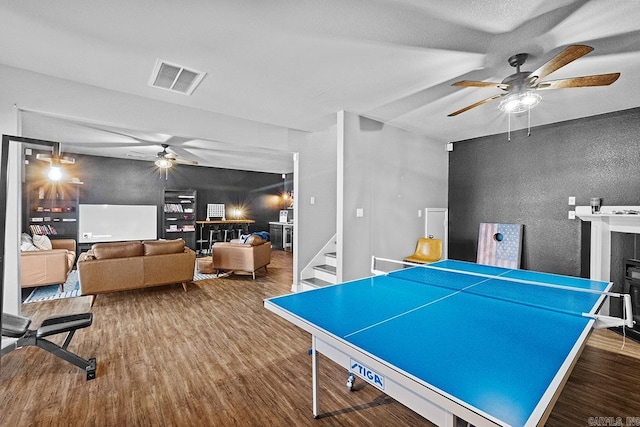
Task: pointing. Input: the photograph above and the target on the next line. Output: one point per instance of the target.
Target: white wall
(391, 174)
(11, 290)
(316, 223)
(12, 299)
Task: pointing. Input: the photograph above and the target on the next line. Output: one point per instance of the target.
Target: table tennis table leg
(314, 376)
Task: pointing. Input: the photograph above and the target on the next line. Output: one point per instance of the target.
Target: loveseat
(41, 266)
(119, 266)
(247, 254)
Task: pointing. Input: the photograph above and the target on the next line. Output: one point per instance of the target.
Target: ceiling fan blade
(183, 154)
(474, 83)
(176, 140)
(586, 81)
(171, 154)
(184, 161)
(51, 157)
(103, 144)
(469, 107)
(568, 55)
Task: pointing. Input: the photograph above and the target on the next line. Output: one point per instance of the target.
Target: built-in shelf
(179, 215)
(53, 210)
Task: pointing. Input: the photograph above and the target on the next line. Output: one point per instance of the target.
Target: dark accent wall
(529, 180)
(123, 181)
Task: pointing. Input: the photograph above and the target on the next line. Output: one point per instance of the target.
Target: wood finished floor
(213, 356)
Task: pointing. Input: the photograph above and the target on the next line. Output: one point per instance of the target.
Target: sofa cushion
(162, 247)
(254, 240)
(116, 250)
(42, 242)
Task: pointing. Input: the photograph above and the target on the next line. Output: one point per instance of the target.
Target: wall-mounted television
(116, 223)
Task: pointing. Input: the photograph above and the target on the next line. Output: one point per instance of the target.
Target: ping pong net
(565, 294)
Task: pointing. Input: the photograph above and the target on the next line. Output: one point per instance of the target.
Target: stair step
(314, 282)
(330, 259)
(325, 268)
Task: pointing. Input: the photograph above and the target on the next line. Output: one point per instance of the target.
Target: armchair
(253, 254)
(48, 267)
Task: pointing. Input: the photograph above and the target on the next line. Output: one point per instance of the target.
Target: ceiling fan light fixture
(56, 160)
(520, 102)
(55, 173)
(164, 163)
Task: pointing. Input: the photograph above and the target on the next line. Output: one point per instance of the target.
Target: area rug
(201, 276)
(71, 288)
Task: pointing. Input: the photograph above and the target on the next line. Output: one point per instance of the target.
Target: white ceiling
(295, 63)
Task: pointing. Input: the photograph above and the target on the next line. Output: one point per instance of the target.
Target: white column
(600, 250)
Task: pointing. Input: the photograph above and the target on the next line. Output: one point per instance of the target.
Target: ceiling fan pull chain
(529, 128)
(509, 133)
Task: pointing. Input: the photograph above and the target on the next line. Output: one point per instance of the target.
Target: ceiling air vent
(175, 78)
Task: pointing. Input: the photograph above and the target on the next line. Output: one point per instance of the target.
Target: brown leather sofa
(247, 255)
(48, 267)
(119, 266)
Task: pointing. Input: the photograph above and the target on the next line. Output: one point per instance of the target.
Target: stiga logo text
(367, 374)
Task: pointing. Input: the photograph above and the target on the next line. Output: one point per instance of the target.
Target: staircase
(323, 274)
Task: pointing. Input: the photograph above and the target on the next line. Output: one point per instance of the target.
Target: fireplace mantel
(609, 219)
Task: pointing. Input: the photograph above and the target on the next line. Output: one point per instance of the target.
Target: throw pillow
(42, 242)
(263, 234)
(26, 243)
(254, 240)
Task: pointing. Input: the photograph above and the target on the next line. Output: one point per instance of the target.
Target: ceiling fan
(55, 160)
(166, 159)
(520, 89)
(51, 158)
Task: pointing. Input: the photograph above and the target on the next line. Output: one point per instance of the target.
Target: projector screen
(116, 223)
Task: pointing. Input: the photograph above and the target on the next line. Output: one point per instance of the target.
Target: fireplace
(612, 219)
(632, 287)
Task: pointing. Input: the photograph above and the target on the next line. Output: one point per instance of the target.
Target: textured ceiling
(294, 63)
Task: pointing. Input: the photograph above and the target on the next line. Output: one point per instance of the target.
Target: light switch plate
(572, 214)
(359, 212)
(572, 201)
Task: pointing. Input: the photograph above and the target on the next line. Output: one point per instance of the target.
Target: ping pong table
(490, 345)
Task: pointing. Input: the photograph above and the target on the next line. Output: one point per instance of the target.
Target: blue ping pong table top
(496, 346)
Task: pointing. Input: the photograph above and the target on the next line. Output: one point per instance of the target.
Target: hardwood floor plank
(215, 356)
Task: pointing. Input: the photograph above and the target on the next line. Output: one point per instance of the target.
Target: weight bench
(14, 326)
